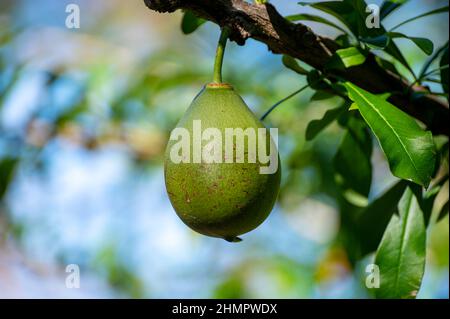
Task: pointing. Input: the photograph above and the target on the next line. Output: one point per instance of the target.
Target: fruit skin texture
(220, 199)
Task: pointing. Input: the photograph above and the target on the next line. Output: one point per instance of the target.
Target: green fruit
(220, 199)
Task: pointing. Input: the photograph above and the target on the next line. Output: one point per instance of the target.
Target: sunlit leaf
(346, 58)
(384, 96)
(353, 107)
(410, 150)
(401, 254)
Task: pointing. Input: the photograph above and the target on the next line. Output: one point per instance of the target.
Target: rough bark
(262, 22)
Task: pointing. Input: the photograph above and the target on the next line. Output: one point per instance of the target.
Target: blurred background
(84, 118)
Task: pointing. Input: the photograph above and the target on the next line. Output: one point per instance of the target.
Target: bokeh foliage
(333, 158)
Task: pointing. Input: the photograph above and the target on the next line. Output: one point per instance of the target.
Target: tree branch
(262, 22)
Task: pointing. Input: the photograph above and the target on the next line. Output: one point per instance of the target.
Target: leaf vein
(392, 128)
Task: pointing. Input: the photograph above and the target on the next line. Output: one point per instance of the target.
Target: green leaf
(353, 107)
(393, 50)
(321, 95)
(190, 22)
(345, 58)
(316, 126)
(7, 167)
(382, 41)
(384, 96)
(390, 6)
(425, 45)
(314, 18)
(427, 198)
(343, 40)
(435, 11)
(316, 81)
(341, 10)
(378, 42)
(372, 221)
(401, 254)
(339, 90)
(352, 13)
(431, 59)
(352, 161)
(410, 151)
(293, 65)
(443, 212)
(444, 72)
(386, 65)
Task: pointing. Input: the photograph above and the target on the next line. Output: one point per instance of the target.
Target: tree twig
(262, 22)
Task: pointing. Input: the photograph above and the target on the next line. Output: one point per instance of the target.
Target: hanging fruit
(221, 166)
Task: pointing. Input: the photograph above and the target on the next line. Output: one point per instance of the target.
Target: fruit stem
(234, 239)
(217, 76)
